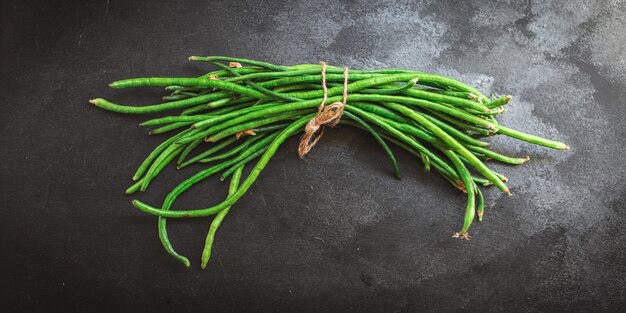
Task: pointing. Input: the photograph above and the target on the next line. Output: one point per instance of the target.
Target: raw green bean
(181, 104)
(209, 152)
(497, 156)
(256, 123)
(197, 82)
(183, 155)
(174, 97)
(394, 162)
(217, 221)
(257, 87)
(243, 162)
(480, 207)
(437, 118)
(500, 101)
(159, 164)
(195, 109)
(470, 210)
(399, 135)
(239, 60)
(532, 138)
(392, 91)
(172, 119)
(155, 153)
(251, 145)
(169, 127)
(453, 144)
(286, 133)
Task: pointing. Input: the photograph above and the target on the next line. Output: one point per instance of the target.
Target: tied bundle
(236, 114)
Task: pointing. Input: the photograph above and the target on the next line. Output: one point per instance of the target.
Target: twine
(327, 115)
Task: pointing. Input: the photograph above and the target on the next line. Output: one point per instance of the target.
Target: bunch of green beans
(246, 109)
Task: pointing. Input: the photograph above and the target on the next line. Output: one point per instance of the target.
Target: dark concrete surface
(335, 232)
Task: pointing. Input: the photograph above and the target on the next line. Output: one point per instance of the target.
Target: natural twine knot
(327, 115)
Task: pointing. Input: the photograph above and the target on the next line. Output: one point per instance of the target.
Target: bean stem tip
(465, 236)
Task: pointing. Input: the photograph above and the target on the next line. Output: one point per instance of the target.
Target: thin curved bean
(470, 210)
(181, 104)
(209, 152)
(250, 146)
(217, 221)
(155, 153)
(394, 162)
(169, 127)
(286, 133)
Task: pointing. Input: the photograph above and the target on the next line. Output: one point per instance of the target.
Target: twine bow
(327, 115)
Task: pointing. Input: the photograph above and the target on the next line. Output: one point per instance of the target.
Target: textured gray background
(334, 232)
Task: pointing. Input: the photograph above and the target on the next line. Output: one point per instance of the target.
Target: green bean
(206, 106)
(219, 218)
(290, 73)
(174, 97)
(159, 164)
(453, 131)
(455, 101)
(230, 108)
(219, 103)
(532, 138)
(451, 177)
(169, 200)
(379, 110)
(500, 101)
(240, 60)
(392, 91)
(256, 123)
(454, 145)
(243, 162)
(155, 153)
(427, 79)
(242, 70)
(165, 241)
(315, 79)
(195, 109)
(436, 118)
(497, 156)
(455, 112)
(200, 82)
(470, 210)
(399, 135)
(251, 144)
(461, 124)
(176, 88)
(275, 109)
(458, 94)
(296, 87)
(257, 87)
(232, 115)
(209, 152)
(392, 158)
(500, 176)
(181, 104)
(169, 127)
(183, 155)
(134, 188)
(287, 132)
(223, 110)
(269, 128)
(172, 119)
(354, 86)
(424, 78)
(480, 207)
